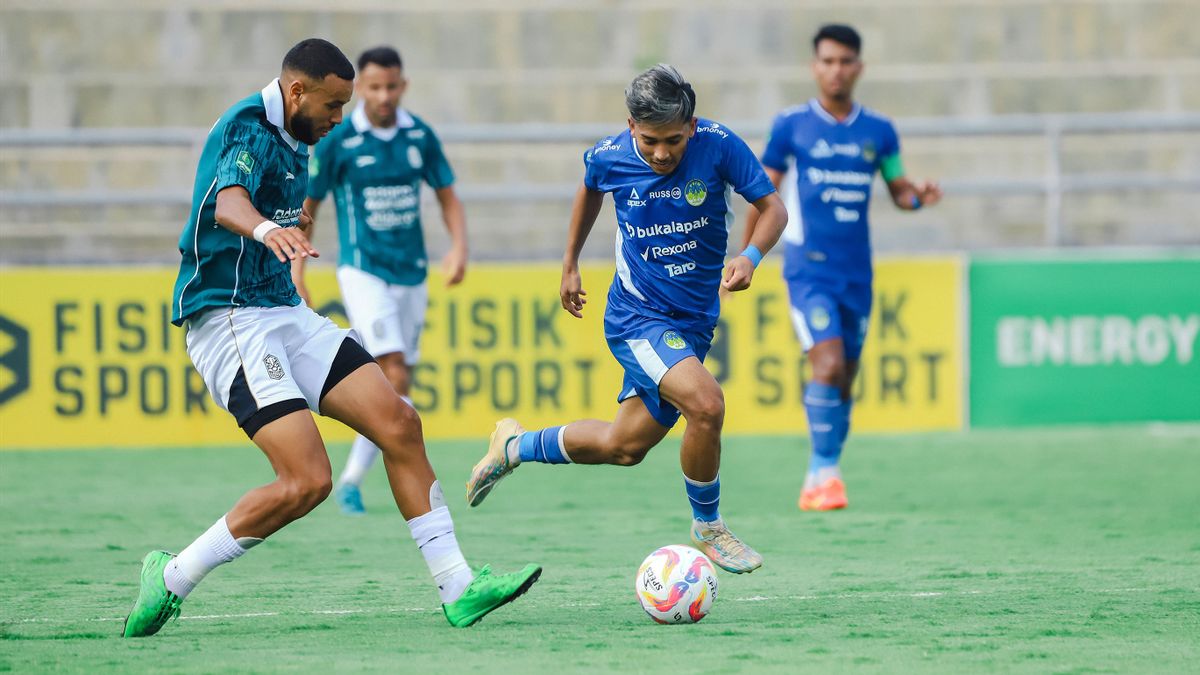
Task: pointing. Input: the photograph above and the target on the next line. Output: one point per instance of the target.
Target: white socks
(814, 478)
(213, 548)
(362, 457)
(434, 534)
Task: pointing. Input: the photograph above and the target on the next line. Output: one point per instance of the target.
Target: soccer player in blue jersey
(375, 163)
(835, 146)
(669, 174)
(268, 359)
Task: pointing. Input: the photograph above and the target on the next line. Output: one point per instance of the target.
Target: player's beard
(304, 129)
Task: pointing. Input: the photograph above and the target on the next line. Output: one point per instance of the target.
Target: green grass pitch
(1036, 551)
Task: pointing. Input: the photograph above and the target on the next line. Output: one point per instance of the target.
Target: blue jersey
(835, 162)
(672, 230)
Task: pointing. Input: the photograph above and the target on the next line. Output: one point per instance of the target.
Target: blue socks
(705, 497)
(828, 424)
(544, 446)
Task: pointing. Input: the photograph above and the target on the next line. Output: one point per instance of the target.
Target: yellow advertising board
(88, 357)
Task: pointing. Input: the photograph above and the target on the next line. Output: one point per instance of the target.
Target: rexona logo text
(673, 227)
(1096, 340)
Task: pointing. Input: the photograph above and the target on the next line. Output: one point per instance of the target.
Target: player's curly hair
(660, 96)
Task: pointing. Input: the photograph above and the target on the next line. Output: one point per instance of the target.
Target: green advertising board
(1084, 341)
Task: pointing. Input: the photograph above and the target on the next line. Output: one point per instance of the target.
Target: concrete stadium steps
(473, 62)
(83, 63)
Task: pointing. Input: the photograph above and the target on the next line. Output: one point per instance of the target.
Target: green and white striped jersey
(375, 176)
(247, 147)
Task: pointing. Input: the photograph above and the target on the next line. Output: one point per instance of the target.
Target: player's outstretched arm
(454, 265)
(772, 218)
(584, 212)
(753, 215)
(912, 195)
(237, 214)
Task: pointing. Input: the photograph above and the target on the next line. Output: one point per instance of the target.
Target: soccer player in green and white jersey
(375, 163)
(268, 359)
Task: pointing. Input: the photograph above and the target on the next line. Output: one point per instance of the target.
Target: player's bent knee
(402, 431)
(302, 495)
(707, 411)
(629, 455)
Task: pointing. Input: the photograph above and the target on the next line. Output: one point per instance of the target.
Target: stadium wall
(88, 356)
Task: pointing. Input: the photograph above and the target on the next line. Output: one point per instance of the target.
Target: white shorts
(280, 353)
(388, 317)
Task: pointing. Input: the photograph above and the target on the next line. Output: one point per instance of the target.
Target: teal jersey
(246, 147)
(376, 176)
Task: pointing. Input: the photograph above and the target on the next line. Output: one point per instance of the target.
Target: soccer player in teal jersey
(835, 146)
(268, 359)
(671, 176)
(374, 163)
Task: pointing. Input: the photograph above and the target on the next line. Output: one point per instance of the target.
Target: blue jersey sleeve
(592, 172)
(321, 168)
(741, 169)
(245, 149)
(437, 171)
(778, 150)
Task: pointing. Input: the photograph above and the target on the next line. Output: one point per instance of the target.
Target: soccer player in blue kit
(669, 174)
(837, 146)
(269, 360)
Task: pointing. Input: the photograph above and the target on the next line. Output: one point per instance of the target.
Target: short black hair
(318, 59)
(839, 33)
(381, 56)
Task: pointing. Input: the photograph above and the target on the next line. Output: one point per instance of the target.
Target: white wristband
(263, 228)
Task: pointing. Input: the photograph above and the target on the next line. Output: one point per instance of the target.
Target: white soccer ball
(676, 584)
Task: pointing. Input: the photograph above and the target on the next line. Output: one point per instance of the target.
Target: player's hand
(289, 243)
(929, 192)
(454, 266)
(571, 292)
(738, 273)
(306, 221)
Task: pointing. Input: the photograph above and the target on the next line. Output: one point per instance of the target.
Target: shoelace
(728, 543)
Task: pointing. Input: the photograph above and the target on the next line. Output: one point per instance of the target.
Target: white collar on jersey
(273, 101)
(362, 124)
(824, 114)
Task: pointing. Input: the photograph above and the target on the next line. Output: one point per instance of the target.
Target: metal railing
(1053, 184)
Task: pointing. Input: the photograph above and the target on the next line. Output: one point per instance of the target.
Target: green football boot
(155, 604)
(489, 591)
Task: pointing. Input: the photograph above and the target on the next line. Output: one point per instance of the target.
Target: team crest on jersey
(245, 162)
(674, 340)
(819, 318)
(868, 151)
(274, 367)
(414, 157)
(695, 192)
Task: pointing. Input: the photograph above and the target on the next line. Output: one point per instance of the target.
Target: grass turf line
(1040, 551)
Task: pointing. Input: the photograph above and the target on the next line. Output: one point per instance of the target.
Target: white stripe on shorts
(801, 326)
(648, 359)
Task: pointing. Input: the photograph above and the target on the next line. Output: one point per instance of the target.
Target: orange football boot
(827, 496)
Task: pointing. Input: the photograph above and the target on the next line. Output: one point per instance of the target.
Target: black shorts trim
(350, 357)
(245, 409)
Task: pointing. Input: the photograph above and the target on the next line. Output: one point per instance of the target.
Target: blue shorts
(823, 310)
(647, 347)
